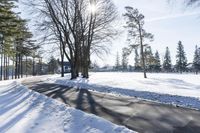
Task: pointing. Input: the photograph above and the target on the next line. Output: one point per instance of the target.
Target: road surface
(136, 114)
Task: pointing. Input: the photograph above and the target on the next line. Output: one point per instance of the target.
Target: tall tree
(6, 26)
(196, 60)
(124, 59)
(149, 58)
(136, 32)
(181, 60)
(53, 65)
(117, 63)
(15, 34)
(14, 40)
(137, 60)
(80, 27)
(167, 63)
(157, 65)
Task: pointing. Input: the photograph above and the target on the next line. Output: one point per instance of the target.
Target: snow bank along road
(136, 114)
(176, 89)
(25, 111)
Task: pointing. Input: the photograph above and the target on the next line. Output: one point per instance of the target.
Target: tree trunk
(13, 69)
(16, 66)
(73, 73)
(62, 60)
(86, 65)
(18, 71)
(62, 65)
(4, 68)
(26, 67)
(33, 67)
(73, 70)
(21, 61)
(1, 64)
(142, 52)
(8, 68)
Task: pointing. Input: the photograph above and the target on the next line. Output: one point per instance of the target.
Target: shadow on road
(53, 91)
(90, 100)
(81, 99)
(86, 102)
(134, 114)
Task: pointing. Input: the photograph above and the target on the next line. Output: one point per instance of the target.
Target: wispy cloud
(173, 16)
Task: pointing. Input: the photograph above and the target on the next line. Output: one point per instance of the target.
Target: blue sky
(168, 22)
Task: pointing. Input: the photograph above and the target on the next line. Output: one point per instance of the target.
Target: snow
(177, 89)
(26, 111)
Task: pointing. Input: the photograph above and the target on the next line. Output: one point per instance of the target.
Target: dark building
(67, 67)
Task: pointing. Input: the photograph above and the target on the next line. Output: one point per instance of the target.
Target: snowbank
(25, 111)
(181, 90)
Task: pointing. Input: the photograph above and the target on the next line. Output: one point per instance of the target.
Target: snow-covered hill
(25, 111)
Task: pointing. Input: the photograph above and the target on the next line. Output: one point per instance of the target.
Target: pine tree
(181, 60)
(124, 59)
(53, 65)
(8, 19)
(117, 63)
(8, 22)
(167, 64)
(15, 39)
(149, 58)
(157, 65)
(196, 60)
(137, 33)
(137, 61)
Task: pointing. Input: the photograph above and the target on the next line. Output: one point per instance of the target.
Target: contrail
(173, 16)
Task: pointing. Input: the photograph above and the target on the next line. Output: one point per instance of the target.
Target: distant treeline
(153, 61)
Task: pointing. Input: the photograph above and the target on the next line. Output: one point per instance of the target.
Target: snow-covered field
(177, 89)
(25, 111)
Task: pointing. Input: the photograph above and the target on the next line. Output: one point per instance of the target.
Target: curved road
(136, 114)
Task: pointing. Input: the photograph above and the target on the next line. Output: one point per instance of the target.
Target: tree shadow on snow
(18, 103)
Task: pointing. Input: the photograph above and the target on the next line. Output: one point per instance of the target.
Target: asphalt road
(136, 114)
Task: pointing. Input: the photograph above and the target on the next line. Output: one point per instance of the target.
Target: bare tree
(136, 32)
(79, 26)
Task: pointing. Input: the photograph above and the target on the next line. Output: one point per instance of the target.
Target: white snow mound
(26, 111)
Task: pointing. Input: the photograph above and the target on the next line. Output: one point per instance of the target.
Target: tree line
(153, 61)
(15, 42)
(139, 38)
(79, 28)
(82, 27)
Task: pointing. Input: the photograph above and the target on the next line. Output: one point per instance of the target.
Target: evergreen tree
(167, 64)
(196, 60)
(157, 65)
(181, 60)
(149, 58)
(8, 24)
(53, 65)
(15, 40)
(124, 59)
(137, 61)
(137, 33)
(117, 63)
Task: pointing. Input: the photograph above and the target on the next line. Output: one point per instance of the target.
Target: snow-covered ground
(26, 111)
(177, 89)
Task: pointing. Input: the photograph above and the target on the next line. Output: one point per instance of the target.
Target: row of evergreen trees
(153, 61)
(15, 42)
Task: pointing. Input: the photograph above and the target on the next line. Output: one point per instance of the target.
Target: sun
(92, 8)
